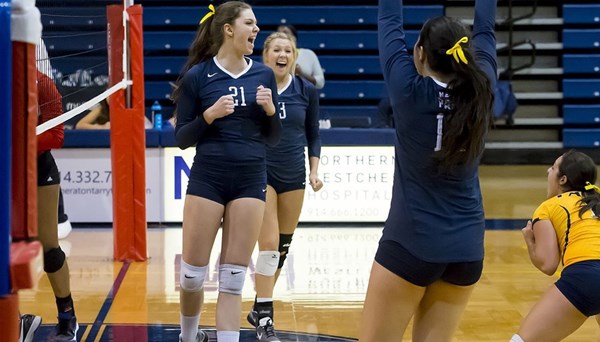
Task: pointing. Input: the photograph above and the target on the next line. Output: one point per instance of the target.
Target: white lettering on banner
(328, 265)
(86, 183)
(357, 184)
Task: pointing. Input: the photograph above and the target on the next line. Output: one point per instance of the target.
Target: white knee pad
(191, 278)
(231, 278)
(516, 338)
(267, 262)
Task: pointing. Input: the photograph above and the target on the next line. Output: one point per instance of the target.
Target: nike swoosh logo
(238, 272)
(211, 75)
(188, 277)
(264, 190)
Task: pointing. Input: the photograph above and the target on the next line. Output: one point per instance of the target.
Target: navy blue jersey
(298, 106)
(238, 137)
(437, 216)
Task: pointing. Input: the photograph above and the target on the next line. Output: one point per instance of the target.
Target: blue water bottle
(157, 115)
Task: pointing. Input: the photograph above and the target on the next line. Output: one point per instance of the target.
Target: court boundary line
(105, 308)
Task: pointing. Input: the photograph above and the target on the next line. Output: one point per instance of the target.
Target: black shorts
(580, 283)
(399, 261)
(281, 186)
(47, 170)
(224, 183)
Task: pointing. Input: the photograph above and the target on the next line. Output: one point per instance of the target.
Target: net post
(128, 139)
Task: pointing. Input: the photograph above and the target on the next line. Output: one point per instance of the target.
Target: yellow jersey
(578, 237)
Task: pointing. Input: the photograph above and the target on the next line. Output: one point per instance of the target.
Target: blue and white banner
(357, 184)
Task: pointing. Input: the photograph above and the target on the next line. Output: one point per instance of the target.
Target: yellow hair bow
(457, 52)
(590, 186)
(211, 12)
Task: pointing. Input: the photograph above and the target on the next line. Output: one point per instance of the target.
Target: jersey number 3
(282, 112)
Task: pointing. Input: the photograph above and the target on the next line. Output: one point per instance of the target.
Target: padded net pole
(127, 134)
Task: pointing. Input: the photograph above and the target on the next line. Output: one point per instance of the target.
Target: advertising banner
(86, 182)
(357, 184)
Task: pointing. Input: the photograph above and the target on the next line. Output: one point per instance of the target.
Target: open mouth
(251, 40)
(281, 65)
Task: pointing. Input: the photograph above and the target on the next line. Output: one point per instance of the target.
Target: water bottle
(156, 115)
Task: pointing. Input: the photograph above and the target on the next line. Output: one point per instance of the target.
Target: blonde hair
(280, 35)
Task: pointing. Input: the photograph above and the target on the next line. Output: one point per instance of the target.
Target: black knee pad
(285, 240)
(54, 260)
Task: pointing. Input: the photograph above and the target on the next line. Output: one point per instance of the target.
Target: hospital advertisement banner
(357, 184)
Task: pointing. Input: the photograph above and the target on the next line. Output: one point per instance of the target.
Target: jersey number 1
(440, 127)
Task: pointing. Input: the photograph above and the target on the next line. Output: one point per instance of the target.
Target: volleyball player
(307, 62)
(431, 252)
(286, 175)
(55, 263)
(226, 106)
(565, 231)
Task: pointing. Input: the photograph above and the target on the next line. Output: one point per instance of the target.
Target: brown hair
(210, 37)
(467, 123)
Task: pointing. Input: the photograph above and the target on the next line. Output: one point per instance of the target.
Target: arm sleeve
(50, 106)
(272, 124)
(311, 124)
(484, 38)
(398, 68)
(191, 125)
(317, 72)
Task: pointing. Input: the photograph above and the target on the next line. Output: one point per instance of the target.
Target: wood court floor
(321, 290)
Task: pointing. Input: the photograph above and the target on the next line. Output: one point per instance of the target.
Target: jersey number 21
(234, 92)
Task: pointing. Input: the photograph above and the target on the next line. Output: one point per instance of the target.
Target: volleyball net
(27, 52)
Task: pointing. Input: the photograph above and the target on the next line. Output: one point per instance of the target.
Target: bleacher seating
(588, 115)
(581, 14)
(581, 39)
(581, 83)
(581, 88)
(296, 15)
(63, 42)
(343, 34)
(581, 64)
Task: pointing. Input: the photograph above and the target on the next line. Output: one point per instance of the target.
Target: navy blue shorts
(281, 186)
(47, 171)
(580, 283)
(399, 261)
(225, 182)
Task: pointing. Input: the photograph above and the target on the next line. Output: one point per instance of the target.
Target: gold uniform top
(578, 237)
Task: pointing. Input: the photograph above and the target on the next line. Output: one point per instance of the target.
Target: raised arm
(396, 63)
(484, 37)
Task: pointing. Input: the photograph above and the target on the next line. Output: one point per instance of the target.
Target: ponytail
(581, 173)
(466, 125)
(200, 51)
(209, 37)
(446, 42)
(590, 201)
